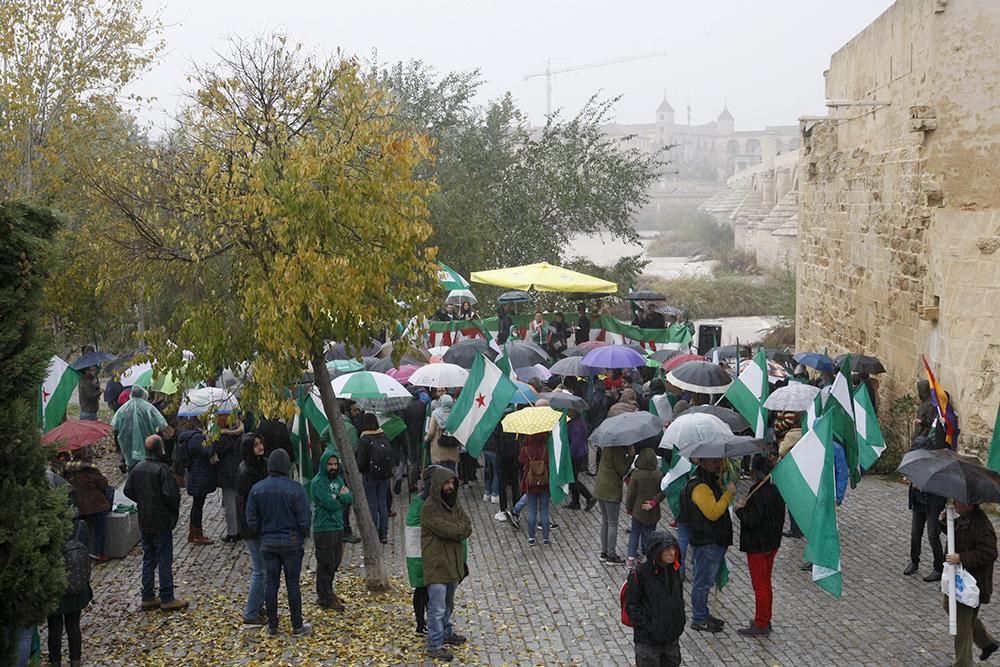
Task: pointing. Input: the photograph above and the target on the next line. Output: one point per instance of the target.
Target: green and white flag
(450, 279)
(815, 410)
(840, 407)
(55, 392)
(871, 444)
(503, 363)
(805, 478)
(480, 406)
(673, 482)
(560, 462)
(748, 393)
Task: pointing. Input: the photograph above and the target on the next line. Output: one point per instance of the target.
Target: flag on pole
(673, 482)
(480, 405)
(945, 410)
(994, 461)
(840, 407)
(560, 462)
(871, 444)
(815, 410)
(748, 393)
(55, 392)
(308, 414)
(503, 363)
(805, 478)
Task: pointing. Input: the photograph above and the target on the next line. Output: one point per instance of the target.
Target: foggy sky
(765, 58)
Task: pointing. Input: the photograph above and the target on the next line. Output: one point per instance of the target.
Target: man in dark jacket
(762, 516)
(582, 333)
(90, 394)
(252, 469)
(505, 323)
(331, 498)
(443, 525)
(976, 551)
(153, 487)
(654, 600)
(278, 509)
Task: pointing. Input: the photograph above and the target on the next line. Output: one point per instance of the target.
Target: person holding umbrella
(90, 394)
(534, 460)
(614, 465)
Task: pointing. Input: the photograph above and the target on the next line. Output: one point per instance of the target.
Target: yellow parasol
(529, 421)
(543, 277)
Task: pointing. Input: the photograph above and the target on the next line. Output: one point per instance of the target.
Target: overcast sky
(765, 58)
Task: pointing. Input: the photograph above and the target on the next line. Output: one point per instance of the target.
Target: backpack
(538, 473)
(626, 620)
(76, 560)
(380, 459)
(448, 441)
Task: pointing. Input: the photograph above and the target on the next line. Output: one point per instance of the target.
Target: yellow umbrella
(529, 421)
(543, 277)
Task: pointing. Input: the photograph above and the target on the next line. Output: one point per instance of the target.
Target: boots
(190, 535)
(174, 605)
(198, 537)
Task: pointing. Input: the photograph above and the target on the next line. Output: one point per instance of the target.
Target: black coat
(153, 487)
(251, 470)
(227, 448)
(275, 436)
(976, 545)
(654, 598)
(762, 520)
(199, 471)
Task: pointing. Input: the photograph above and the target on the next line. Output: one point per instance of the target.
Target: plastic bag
(966, 588)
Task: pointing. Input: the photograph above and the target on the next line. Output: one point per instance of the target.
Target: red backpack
(621, 595)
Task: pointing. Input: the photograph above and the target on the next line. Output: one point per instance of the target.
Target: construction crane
(549, 72)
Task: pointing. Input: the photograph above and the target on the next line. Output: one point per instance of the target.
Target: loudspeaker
(709, 336)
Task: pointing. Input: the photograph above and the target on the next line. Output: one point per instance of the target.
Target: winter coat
(367, 441)
(442, 530)
(326, 437)
(275, 435)
(626, 404)
(251, 470)
(614, 466)
(535, 449)
(582, 330)
(790, 439)
(976, 545)
(90, 393)
(577, 431)
(440, 454)
(199, 471)
(227, 448)
(599, 405)
(153, 487)
(654, 598)
(91, 487)
(643, 485)
(278, 508)
(762, 519)
(70, 603)
(328, 501)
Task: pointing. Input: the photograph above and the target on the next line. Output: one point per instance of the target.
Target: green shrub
(772, 293)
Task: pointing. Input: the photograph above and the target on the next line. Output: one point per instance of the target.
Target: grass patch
(690, 233)
(731, 295)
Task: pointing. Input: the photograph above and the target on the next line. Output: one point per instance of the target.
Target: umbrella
(517, 296)
(407, 351)
(860, 363)
(645, 295)
(76, 434)
(523, 353)
(571, 366)
(663, 356)
(627, 429)
(439, 375)
(530, 421)
(796, 397)
(775, 371)
(524, 395)
(736, 422)
(381, 365)
(669, 311)
(450, 279)
(404, 373)
(527, 373)
(131, 374)
(945, 473)
(590, 345)
(731, 446)
(564, 400)
(121, 361)
(464, 352)
(614, 356)
(702, 377)
(460, 296)
(92, 359)
(694, 427)
(341, 366)
(780, 356)
(340, 351)
(729, 352)
(543, 277)
(674, 362)
(198, 402)
(815, 360)
(438, 351)
(376, 392)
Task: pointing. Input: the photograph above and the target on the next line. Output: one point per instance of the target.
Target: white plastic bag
(967, 590)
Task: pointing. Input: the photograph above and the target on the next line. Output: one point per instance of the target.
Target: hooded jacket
(278, 508)
(199, 471)
(610, 473)
(153, 487)
(91, 487)
(227, 448)
(442, 530)
(251, 470)
(976, 546)
(654, 598)
(328, 500)
(626, 404)
(644, 485)
(762, 519)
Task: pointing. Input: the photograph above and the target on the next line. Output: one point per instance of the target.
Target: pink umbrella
(403, 373)
(77, 434)
(592, 345)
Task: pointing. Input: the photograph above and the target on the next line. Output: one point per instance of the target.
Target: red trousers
(761, 565)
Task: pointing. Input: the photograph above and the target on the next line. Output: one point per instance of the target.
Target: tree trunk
(375, 573)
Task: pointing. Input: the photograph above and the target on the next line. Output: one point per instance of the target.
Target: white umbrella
(460, 296)
(372, 391)
(796, 397)
(198, 402)
(697, 427)
(439, 350)
(536, 371)
(439, 375)
(131, 374)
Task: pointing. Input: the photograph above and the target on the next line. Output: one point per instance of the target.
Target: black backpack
(76, 560)
(380, 459)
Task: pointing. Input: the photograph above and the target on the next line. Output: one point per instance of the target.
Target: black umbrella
(945, 473)
(339, 351)
(722, 448)
(645, 295)
(780, 356)
(524, 353)
(733, 419)
(669, 311)
(122, 361)
(663, 356)
(563, 400)
(862, 363)
(572, 366)
(379, 365)
(729, 352)
(92, 359)
(517, 296)
(702, 377)
(627, 429)
(464, 352)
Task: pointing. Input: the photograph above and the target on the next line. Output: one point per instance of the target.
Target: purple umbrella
(614, 356)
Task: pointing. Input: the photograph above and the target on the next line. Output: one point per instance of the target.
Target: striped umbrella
(376, 392)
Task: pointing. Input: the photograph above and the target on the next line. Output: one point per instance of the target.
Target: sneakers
(614, 559)
(304, 631)
(272, 632)
(546, 543)
(572, 506)
(603, 557)
(454, 639)
(531, 541)
(174, 605)
(149, 605)
(754, 631)
(421, 631)
(500, 516)
(933, 576)
(712, 620)
(512, 518)
(486, 497)
(910, 569)
(988, 651)
(706, 627)
(590, 504)
(260, 620)
(553, 525)
(630, 562)
(351, 538)
(440, 654)
(495, 499)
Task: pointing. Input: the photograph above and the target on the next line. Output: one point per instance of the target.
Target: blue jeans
(538, 503)
(682, 542)
(609, 527)
(88, 416)
(97, 525)
(290, 561)
(519, 505)
(158, 554)
(440, 605)
(637, 538)
(707, 561)
(493, 488)
(377, 492)
(255, 597)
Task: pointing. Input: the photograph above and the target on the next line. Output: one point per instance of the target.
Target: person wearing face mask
(330, 497)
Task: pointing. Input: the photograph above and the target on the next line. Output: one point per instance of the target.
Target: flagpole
(952, 602)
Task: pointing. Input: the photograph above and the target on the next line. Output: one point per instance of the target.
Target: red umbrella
(403, 373)
(77, 434)
(671, 364)
(592, 344)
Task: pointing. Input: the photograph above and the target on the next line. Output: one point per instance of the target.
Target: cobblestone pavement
(559, 604)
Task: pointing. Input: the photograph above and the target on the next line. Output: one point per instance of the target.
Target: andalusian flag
(673, 482)
(55, 392)
(480, 406)
(840, 407)
(805, 478)
(815, 410)
(450, 278)
(871, 444)
(560, 462)
(309, 413)
(748, 393)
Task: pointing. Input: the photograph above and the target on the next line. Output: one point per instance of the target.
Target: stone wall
(898, 225)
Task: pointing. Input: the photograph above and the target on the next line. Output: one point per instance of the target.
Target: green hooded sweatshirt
(330, 503)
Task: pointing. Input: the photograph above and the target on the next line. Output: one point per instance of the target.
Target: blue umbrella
(815, 360)
(517, 296)
(524, 395)
(92, 359)
(614, 356)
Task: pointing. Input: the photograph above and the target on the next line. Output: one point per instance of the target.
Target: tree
(290, 198)
(31, 541)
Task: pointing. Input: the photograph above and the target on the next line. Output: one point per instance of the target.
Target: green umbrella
(340, 366)
(165, 384)
(450, 279)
